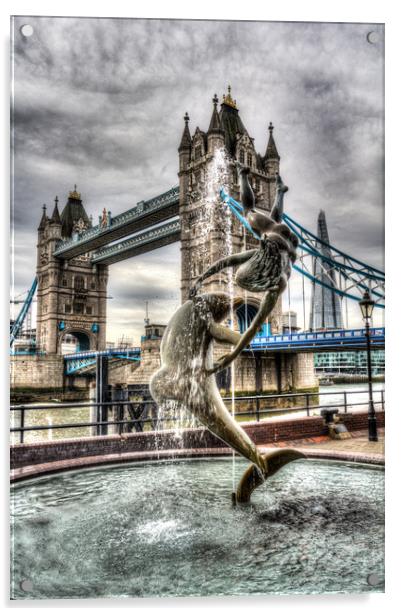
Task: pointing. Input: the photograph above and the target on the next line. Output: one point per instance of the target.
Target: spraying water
(217, 176)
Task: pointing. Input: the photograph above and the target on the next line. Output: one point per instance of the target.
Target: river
(55, 415)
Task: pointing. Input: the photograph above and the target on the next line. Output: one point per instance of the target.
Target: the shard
(325, 310)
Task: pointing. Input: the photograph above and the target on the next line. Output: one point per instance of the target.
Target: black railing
(158, 423)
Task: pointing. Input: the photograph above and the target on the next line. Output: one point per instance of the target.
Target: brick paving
(358, 443)
(355, 449)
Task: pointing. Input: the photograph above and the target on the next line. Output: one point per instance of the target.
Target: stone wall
(138, 373)
(36, 372)
(262, 433)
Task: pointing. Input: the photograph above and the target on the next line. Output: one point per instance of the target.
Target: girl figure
(264, 269)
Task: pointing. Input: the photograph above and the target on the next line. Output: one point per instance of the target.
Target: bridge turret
(215, 134)
(184, 149)
(55, 222)
(43, 220)
(71, 294)
(271, 158)
(74, 217)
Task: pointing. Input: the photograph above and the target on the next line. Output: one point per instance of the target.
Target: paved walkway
(358, 448)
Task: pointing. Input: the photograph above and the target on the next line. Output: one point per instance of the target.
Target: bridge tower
(71, 294)
(206, 161)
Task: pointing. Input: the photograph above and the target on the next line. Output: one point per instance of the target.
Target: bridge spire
(271, 150)
(43, 220)
(186, 136)
(215, 122)
(56, 214)
(228, 100)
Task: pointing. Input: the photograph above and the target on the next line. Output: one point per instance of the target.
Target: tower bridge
(163, 235)
(144, 215)
(73, 258)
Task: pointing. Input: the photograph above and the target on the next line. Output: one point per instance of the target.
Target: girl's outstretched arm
(266, 306)
(221, 264)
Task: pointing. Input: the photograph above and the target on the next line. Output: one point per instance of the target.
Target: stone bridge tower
(71, 295)
(208, 232)
(207, 160)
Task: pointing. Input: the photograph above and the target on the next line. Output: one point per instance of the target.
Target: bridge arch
(245, 313)
(82, 339)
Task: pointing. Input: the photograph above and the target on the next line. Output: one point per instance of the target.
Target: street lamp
(367, 304)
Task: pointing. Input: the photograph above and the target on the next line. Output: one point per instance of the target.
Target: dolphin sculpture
(186, 377)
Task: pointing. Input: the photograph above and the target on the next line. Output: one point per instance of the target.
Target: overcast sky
(100, 102)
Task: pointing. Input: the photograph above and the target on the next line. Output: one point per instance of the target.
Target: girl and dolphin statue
(186, 375)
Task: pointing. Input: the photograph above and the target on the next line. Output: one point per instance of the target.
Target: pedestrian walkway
(358, 448)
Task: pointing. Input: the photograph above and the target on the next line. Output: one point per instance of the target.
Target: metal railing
(158, 423)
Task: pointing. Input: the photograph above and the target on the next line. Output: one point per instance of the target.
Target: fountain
(165, 528)
(186, 376)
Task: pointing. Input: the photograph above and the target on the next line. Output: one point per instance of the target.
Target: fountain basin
(168, 529)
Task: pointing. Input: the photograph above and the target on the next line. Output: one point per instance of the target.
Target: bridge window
(242, 156)
(74, 342)
(79, 283)
(245, 315)
(93, 284)
(89, 310)
(78, 308)
(64, 282)
(249, 160)
(198, 152)
(67, 308)
(257, 185)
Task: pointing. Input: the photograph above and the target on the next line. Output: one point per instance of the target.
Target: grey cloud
(100, 102)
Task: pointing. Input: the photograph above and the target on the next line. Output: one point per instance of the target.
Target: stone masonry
(71, 294)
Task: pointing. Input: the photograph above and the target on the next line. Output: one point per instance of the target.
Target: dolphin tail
(273, 461)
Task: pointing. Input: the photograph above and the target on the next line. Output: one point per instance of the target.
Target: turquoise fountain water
(168, 529)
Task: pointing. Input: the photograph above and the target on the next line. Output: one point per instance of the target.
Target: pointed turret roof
(215, 122)
(271, 150)
(186, 136)
(56, 215)
(73, 211)
(44, 219)
(231, 122)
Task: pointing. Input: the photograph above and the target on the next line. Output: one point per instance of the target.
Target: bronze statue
(186, 375)
(186, 362)
(265, 269)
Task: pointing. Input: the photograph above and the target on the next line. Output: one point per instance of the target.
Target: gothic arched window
(79, 283)
(242, 157)
(249, 160)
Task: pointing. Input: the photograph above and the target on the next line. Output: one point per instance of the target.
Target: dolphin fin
(273, 461)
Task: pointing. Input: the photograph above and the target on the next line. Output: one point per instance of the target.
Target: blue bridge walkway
(304, 342)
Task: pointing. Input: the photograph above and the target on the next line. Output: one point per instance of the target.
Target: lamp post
(367, 304)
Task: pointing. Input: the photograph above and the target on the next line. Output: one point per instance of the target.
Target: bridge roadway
(302, 342)
(145, 214)
(165, 234)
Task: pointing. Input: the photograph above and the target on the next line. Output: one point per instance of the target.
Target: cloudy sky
(100, 102)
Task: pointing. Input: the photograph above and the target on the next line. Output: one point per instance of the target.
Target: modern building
(349, 362)
(325, 310)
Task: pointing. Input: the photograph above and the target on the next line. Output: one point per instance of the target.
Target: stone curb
(28, 472)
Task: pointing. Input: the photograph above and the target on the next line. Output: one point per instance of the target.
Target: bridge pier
(102, 390)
